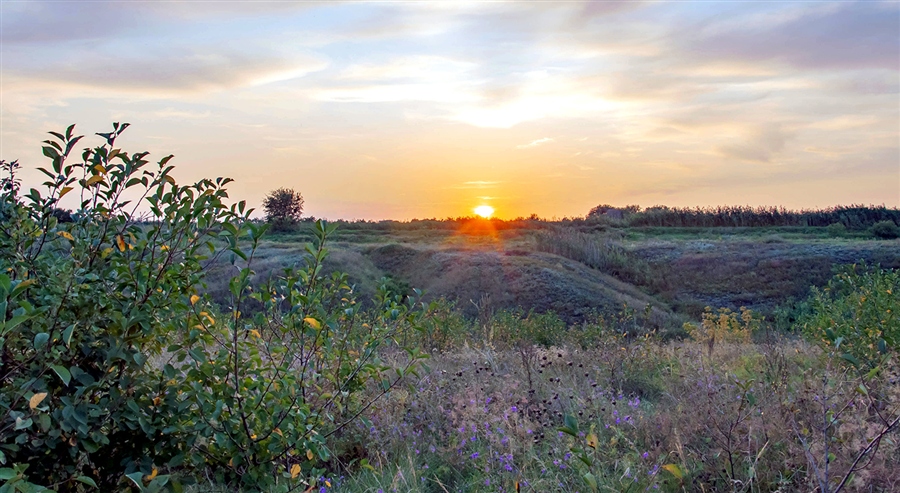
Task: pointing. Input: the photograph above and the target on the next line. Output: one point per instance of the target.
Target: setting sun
(484, 211)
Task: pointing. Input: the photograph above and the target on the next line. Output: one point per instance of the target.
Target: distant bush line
(855, 217)
(838, 218)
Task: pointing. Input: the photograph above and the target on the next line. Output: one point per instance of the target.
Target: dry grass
(746, 419)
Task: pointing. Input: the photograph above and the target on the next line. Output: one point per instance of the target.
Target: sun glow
(484, 211)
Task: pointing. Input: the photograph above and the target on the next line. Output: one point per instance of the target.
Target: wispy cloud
(655, 99)
(535, 143)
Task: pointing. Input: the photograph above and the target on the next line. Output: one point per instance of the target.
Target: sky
(401, 110)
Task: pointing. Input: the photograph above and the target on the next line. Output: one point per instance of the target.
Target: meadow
(192, 348)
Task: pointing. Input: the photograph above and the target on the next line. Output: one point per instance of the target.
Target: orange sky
(416, 110)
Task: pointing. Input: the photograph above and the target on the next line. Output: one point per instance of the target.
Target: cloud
(535, 143)
(851, 35)
(40, 22)
(759, 147)
(170, 71)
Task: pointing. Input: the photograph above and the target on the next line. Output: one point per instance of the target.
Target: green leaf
(7, 473)
(62, 373)
(15, 321)
(568, 431)
(40, 340)
(67, 334)
(852, 359)
(86, 480)
(136, 478)
(198, 355)
(585, 459)
(22, 286)
(571, 422)
(591, 480)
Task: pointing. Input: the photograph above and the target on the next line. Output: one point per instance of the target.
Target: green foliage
(271, 390)
(86, 304)
(836, 229)
(117, 375)
(283, 208)
(855, 315)
(886, 230)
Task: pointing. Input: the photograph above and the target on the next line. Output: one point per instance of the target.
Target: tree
(283, 207)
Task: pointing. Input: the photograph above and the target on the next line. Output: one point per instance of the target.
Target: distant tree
(283, 207)
(600, 210)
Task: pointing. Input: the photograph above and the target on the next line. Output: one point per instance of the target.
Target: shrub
(855, 315)
(88, 305)
(886, 230)
(836, 229)
(724, 326)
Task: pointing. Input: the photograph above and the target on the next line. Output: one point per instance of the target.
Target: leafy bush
(886, 230)
(836, 229)
(115, 373)
(86, 304)
(856, 315)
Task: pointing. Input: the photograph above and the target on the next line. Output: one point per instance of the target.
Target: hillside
(544, 266)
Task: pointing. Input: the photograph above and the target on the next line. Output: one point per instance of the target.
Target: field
(192, 349)
(575, 268)
(538, 325)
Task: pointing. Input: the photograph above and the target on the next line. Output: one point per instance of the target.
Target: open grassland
(188, 350)
(574, 267)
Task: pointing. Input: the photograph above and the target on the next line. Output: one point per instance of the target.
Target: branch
(873, 443)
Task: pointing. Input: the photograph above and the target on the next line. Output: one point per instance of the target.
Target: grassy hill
(576, 268)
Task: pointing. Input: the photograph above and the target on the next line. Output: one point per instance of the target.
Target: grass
(510, 363)
(649, 405)
(743, 419)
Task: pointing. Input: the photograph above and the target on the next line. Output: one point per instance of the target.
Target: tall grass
(855, 217)
(600, 253)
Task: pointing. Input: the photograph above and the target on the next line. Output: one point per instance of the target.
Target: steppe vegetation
(160, 339)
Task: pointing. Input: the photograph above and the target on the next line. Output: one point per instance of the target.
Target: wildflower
(645, 455)
(474, 455)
